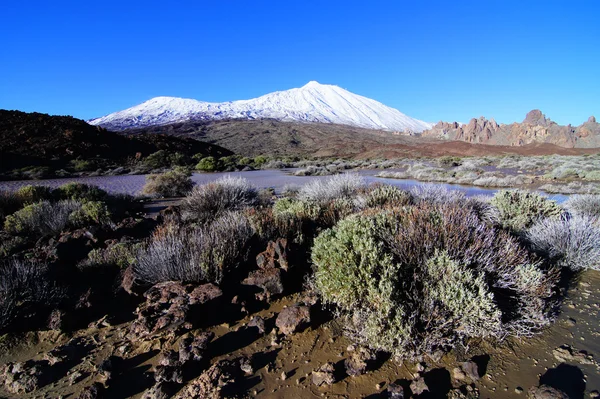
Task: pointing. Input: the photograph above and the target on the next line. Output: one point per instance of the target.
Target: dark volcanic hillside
(270, 137)
(536, 128)
(34, 139)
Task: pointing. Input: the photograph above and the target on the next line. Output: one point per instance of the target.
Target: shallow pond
(275, 178)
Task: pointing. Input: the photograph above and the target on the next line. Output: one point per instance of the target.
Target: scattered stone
(359, 361)
(19, 378)
(275, 256)
(546, 392)
(518, 390)
(168, 358)
(167, 305)
(292, 318)
(269, 280)
(395, 391)
(75, 377)
(168, 374)
(193, 347)
(324, 375)
(246, 366)
(458, 374)
(94, 391)
(418, 386)
(211, 382)
(158, 391)
(283, 376)
(259, 323)
(129, 282)
(56, 320)
(567, 354)
(465, 392)
(594, 394)
(471, 370)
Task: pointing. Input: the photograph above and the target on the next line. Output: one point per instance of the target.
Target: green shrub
(260, 161)
(157, 160)
(449, 161)
(122, 255)
(79, 192)
(418, 279)
(520, 209)
(91, 212)
(387, 195)
(583, 204)
(175, 183)
(41, 218)
(30, 194)
(80, 165)
(208, 164)
(201, 254)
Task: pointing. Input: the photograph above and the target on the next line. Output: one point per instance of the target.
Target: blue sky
(433, 60)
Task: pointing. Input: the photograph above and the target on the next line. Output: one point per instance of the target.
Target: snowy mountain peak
(313, 102)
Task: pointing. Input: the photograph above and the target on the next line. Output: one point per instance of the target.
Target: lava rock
(94, 391)
(259, 323)
(546, 392)
(212, 382)
(292, 319)
(418, 386)
(269, 280)
(395, 391)
(358, 361)
(193, 347)
(324, 375)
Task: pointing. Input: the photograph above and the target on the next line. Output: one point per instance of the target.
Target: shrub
(387, 195)
(41, 218)
(572, 242)
(175, 183)
(436, 194)
(81, 165)
(225, 194)
(449, 161)
(583, 204)
(9, 203)
(520, 209)
(79, 192)
(91, 212)
(24, 289)
(202, 254)
(335, 187)
(120, 254)
(30, 194)
(157, 160)
(208, 164)
(419, 279)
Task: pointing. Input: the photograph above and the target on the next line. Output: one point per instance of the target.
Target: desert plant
(208, 164)
(91, 212)
(30, 194)
(436, 194)
(335, 187)
(79, 192)
(418, 279)
(41, 218)
(201, 254)
(120, 254)
(583, 204)
(572, 242)
(520, 209)
(387, 195)
(174, 183)
(157, 160)
(228, 193)
(24, 288)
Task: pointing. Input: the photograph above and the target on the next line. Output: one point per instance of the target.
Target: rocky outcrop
(535, 128)
(167, 306)
(546, 392)
(293, 319)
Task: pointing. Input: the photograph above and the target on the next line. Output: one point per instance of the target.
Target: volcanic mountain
(314, 102)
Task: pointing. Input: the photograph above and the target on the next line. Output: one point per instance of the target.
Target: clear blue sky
(433, 60)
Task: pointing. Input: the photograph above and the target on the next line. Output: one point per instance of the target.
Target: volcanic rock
(292, 319)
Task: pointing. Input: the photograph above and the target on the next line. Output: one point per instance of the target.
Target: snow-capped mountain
(313, 102)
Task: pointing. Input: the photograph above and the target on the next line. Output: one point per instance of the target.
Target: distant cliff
(536, 128)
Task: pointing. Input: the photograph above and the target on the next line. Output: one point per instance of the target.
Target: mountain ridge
(535, 128)
(313, 102)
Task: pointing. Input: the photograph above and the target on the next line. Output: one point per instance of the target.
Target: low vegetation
(175, 183)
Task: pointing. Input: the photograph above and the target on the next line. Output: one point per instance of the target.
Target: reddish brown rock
(359, 361)
(324, 375)
(212, 382)
(270, 280)
(193, 347)
(292, 319)
(546, 392)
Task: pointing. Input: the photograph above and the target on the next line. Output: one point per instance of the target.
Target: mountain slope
(35, 139)
(536, 128)
(313, 102)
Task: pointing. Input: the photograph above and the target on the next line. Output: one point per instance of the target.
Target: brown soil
(512, 364)
(274, 138)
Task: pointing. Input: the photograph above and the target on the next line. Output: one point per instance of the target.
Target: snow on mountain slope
(313, 102)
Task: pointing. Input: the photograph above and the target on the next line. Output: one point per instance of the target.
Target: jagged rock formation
(535, 128)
